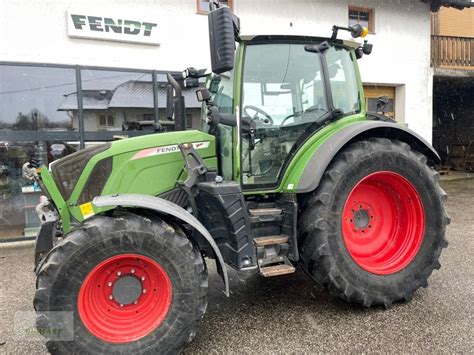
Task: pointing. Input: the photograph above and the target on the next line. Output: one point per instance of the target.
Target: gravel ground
(291, 314)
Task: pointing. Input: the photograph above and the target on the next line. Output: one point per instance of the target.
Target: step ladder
(271, 250)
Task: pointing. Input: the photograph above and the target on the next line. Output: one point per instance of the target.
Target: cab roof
(296, 38)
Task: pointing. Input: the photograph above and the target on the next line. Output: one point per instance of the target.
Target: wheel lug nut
(121, 305)
(109, 284)
(132, 271)
(135, 302)
(144, 290)
(143, 278)
(111, 297)
(119, 273)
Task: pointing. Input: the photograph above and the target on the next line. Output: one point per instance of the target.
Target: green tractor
(288, 169)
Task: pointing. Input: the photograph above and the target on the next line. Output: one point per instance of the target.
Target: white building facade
(37, 32)
(77, 72)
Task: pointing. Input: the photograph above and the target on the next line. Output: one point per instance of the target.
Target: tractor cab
(267, 94)
(281, 93)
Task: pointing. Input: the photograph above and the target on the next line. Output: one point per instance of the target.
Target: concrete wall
(37, 32)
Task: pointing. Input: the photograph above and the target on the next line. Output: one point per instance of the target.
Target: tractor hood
(149, 165)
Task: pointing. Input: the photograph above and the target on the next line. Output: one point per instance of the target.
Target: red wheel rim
(124, 298)
(383, 223)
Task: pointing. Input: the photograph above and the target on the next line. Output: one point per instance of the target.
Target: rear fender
(318, 163)
(166, 207)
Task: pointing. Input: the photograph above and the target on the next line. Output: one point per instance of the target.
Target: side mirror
(224, 28)
(367, 47)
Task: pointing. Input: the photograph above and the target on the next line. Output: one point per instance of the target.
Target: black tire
(65, 269)
(324, 253)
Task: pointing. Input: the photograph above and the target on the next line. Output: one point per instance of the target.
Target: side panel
(148, 165)
(320, 154)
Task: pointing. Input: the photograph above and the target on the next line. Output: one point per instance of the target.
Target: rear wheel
(373, 231)
(133, 285)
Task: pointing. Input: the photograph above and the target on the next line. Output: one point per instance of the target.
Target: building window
(373, 92)
(203, 5)
(362, 16)
(106, 121)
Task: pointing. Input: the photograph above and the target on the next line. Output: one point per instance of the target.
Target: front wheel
(132, 285)
(373, 231)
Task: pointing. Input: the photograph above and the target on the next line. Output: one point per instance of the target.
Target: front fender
(169, 208)
(319, 161)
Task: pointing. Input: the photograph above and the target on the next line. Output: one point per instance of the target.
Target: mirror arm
(179, 107)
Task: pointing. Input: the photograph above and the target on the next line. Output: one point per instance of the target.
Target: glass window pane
(19, 196)
(354, 15)
(283, 95)
(364, 23)
(114, 101)
(372, 105)
(364, 16)
(203, 5)
(344, 85)
(31, 98)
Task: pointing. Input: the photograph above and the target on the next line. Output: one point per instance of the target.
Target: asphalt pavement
(291, 314)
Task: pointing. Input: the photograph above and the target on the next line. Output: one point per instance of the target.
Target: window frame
(201, 11)
(107, 117)
(374, 91)
(369, 10)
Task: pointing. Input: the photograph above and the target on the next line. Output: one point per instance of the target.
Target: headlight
(66, 171)
(96, 181)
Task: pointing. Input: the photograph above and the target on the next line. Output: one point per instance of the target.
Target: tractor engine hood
(149, 165)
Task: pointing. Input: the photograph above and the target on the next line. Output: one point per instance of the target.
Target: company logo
(165, 150)
(112, 27)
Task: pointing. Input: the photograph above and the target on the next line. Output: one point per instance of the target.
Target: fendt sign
(113, 28)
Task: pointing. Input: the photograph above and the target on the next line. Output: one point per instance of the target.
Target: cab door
(282, 94)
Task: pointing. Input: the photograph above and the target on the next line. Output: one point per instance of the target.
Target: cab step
(272, 239)
(256, 212)
(276, 270)
(272, 251)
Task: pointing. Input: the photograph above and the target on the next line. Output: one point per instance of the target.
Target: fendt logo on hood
(145, 153)
(113, 27)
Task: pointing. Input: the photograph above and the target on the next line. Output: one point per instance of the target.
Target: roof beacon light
(358, 31)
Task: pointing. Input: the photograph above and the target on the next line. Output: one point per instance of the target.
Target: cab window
(343, 80)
